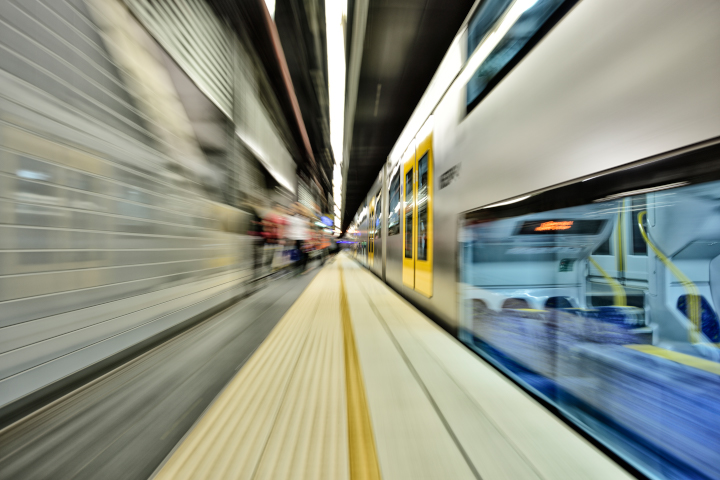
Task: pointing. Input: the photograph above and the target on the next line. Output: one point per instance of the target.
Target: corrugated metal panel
(196, 39)
(102, 242)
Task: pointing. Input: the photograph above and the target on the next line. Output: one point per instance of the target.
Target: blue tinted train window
(537, 18)
(394, 211)
(483, 20)
(625, 343)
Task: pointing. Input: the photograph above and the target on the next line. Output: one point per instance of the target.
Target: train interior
(609, 311)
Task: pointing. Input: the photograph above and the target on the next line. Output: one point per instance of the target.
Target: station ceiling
(404, 43)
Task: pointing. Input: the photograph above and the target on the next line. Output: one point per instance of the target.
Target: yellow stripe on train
(689, 360)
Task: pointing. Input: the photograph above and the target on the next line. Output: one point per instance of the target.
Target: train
(554, 202)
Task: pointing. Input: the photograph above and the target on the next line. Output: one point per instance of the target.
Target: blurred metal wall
(223, 67)
(107, 235)
(197, 40)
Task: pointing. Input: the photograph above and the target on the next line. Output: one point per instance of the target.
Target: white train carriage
(553, 202)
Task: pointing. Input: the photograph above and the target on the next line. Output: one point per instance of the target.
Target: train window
(394, 207)
(528, 29)
(409, 213)
(422, 201)
(483, 20)
(378, 218)
(639, 247)
(619, 342)
(371, 229)
(604, 248)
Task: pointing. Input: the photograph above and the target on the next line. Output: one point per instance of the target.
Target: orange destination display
(560, 227)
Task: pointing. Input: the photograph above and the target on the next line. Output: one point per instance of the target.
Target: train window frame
(395, 186)
(507, 66)
(636, 237)
(424, 277)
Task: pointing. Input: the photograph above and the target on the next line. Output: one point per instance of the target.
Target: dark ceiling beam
(357, 22)
(405, 40)
(252, 18)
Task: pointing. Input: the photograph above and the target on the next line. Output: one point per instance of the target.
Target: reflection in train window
(625, 342)
(512, 46)
(422, 200)
(408, 213)
(483, 20)
(394, 210)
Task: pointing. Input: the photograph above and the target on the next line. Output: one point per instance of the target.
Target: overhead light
(335, 17)
(270, 4)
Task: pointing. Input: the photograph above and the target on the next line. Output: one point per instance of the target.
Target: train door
(409, 219)
(418, 221)
(378, 247)
(371, 232)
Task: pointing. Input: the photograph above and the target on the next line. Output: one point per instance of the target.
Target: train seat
(516, 304)
(558, 302)
(629, 317)
(708, 318)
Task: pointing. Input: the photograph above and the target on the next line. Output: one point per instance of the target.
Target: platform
(355, 383)
(123, 423)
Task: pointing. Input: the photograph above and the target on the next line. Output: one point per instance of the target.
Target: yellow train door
(371, 232)
(424, 217)
(418, 217)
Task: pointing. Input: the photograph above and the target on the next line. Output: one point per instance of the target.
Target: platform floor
(124, 423)
(355, 383)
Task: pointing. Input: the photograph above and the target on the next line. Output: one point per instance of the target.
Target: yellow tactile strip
(363, 455)
(284, 414)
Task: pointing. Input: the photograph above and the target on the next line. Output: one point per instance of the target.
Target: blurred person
(297, 233)
(256, 230)
(275, 224)
(324, 248)
(333, 248)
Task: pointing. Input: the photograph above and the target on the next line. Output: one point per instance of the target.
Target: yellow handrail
(620, 258)
(693, 297)
(618, 290)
